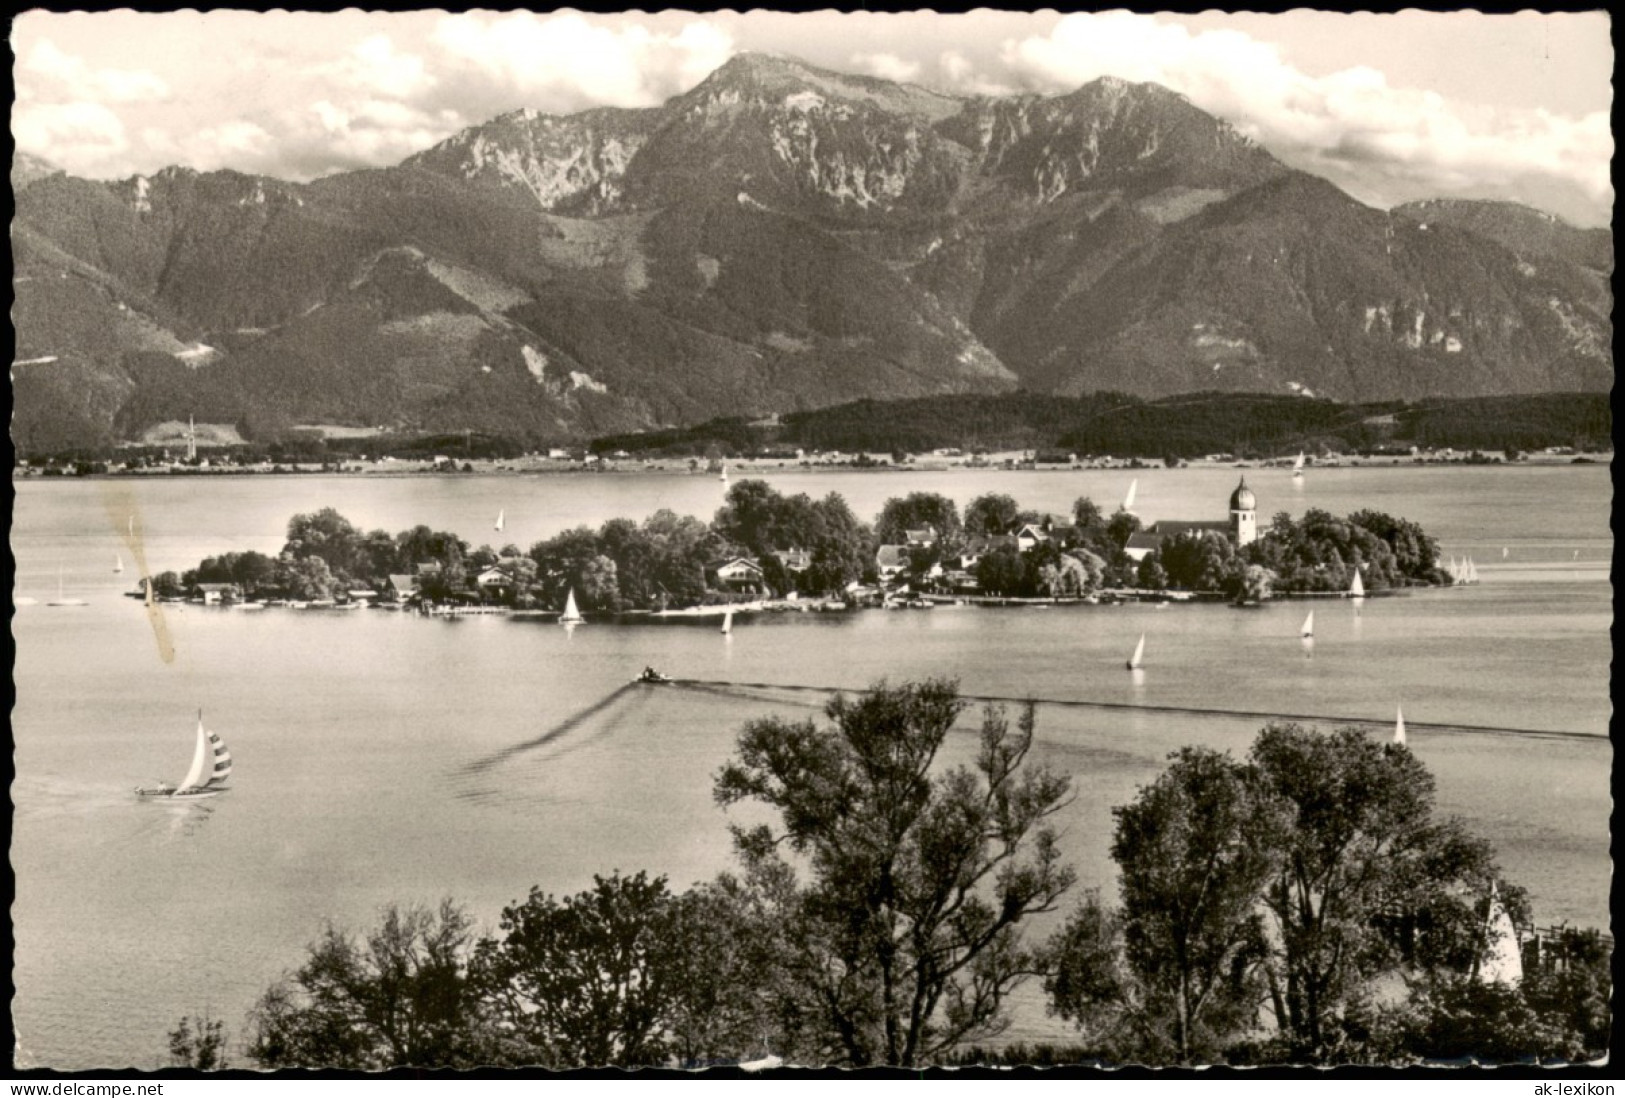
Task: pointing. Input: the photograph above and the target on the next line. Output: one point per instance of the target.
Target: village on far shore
(766, 551)
(217, 449)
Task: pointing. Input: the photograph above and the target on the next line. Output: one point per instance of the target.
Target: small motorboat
(650, 675)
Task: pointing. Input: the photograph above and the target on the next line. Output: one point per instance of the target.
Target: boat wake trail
(803, 697)
(569, 724)
(801, 694)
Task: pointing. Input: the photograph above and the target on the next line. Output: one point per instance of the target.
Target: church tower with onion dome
(1243, 515)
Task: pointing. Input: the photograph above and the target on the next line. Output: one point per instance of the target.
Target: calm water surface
(386, 757)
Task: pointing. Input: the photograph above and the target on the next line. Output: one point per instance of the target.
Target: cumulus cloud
(566, 62)
(1346, 118)
(229, 143)
(961, 76)
(375, 64)
(299, 95)
(888, 66)
(50, 74)
(69, 133)
(69, 112)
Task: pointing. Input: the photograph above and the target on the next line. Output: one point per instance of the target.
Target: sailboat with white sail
(1297, 467)
(501, 518)
(571, 615)
(1504, 965)
(118, 564)
(1309, 625)
(727, 622)
(1472, 571)
(194, 787)
(1136, 661)
(1128, 500)
(723, 477)
(1357, 585)
(62, 598)
(1399, 724)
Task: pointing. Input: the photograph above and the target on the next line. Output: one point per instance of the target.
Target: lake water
(386, 757)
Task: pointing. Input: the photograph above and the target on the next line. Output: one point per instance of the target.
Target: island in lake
(764, 548)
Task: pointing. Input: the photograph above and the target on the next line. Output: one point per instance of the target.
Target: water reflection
(186, 819)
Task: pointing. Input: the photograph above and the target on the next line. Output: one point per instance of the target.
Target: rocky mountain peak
(774, 81)
(784, 236)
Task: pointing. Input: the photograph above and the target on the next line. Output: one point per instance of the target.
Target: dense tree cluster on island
(1303, 905)
(819, 548)
(1317, 553)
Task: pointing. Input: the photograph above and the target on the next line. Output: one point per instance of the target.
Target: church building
(1241, 527)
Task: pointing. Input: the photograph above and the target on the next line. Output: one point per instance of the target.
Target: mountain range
(778, 238)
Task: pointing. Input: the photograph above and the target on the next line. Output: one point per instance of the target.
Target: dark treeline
(1247, 425)
(1577, 420)
(1301, 905)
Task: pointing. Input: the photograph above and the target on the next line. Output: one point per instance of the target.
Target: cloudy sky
(1391, 107)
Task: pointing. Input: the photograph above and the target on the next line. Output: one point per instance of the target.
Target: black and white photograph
(757, 543)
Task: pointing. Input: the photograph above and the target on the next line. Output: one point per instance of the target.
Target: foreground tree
(1173, 975)
(1089, 983)
(1558, 1013)
(586, 980)
(398, 997)
(1367, 882)
(727, 950)
(198, 1043)
(904, 940)
(1296, 881)
(1194, 857)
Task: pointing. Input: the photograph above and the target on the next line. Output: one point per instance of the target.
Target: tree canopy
(1293, 881)
(904, 938)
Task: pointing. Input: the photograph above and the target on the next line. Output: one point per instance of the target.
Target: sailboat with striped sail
(194, 787)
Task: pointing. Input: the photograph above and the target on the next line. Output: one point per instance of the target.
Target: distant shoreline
(551, 467)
